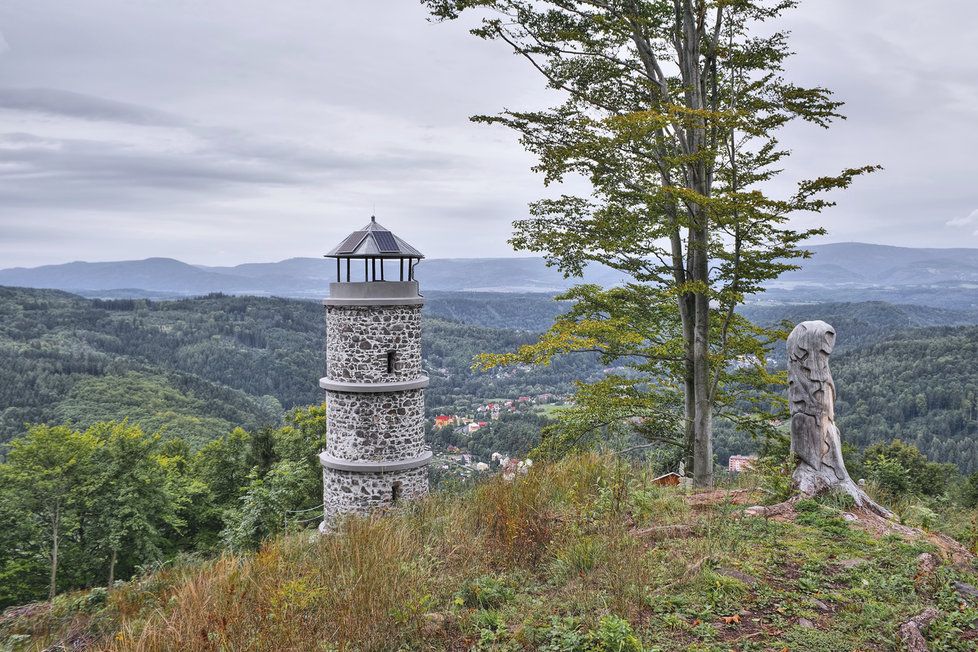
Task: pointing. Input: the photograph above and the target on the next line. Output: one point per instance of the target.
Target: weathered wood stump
(815, 440)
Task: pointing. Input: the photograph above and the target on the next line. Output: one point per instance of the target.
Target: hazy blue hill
(850, 271)
(153, 274)
(885, 265)
(845, 271)
(307, 268)
(505, 275)
(294, 277)
(931, 270)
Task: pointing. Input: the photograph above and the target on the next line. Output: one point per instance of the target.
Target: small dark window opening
(395, 493)
(391, 355)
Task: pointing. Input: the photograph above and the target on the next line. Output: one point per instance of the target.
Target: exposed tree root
(813, 483)
(874, 522)
(779, 509)
(949, 549)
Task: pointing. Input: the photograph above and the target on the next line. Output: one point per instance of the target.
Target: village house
(444, 420)
(738, 463)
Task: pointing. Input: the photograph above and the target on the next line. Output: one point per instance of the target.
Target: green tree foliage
(129, 500)
(670, 110)
(969, 492)
(194, 369)
(46, 475)
(900, 468)
(284, 487)
(87, 507)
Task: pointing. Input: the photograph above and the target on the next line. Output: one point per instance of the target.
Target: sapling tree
(669, 110)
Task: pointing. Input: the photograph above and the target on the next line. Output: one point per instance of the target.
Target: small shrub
(891, 476)
(918, 515)
(564, 635)
(651, 503)
(487, 619)
(614, 634)
(486, 592)
(772, 474)
(96, 599)
(838, 500)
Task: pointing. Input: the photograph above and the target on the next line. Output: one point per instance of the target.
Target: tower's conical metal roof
(374, 241)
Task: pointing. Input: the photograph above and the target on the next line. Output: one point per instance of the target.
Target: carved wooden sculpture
(815, 440)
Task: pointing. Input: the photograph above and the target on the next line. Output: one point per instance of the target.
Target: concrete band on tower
(375, 455)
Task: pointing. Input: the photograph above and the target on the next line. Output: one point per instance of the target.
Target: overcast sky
(229, 131)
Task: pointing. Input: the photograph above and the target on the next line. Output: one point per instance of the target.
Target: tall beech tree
(45, 471)
(130, 504)
(670, 109)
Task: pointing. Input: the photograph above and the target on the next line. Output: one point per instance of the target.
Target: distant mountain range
(295, 277)
(863, 271)
(856, 264)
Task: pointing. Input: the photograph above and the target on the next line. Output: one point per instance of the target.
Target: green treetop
(670, 110)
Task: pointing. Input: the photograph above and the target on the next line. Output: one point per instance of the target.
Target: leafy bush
(773, 475)
(485, 592)
(614, 634)
(888, 474)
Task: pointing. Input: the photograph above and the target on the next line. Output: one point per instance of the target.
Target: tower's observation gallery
(375, 452)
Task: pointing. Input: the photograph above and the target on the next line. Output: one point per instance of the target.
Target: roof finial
(373, 218)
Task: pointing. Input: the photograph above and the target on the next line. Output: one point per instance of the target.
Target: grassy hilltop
(580, 555)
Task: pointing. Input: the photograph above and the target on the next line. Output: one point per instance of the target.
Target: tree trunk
(689, 386)
(112, 561)
(55, 538)
(703, 422)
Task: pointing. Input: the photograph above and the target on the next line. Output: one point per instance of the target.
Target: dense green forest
(920, 386)
(83, 507)
(196, 368)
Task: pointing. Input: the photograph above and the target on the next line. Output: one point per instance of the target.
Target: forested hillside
(198, 367)
(920, 386)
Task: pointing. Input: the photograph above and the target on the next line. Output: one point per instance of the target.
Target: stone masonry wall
(359, 338)
(375, 426)
(347, 492)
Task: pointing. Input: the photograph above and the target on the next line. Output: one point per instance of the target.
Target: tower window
(395, 493)
(391, 355)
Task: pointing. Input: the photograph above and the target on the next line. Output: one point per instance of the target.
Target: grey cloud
(56, 102)
(273, 127)
(92, 174)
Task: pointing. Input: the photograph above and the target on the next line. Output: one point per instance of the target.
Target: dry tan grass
(372, 584)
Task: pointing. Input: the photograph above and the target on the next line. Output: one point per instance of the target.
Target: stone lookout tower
(375, 452)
